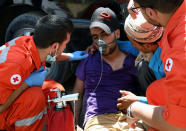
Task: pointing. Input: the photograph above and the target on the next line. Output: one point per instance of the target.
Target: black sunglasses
(136, 9)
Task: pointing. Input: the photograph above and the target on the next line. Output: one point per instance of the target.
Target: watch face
(129, 112)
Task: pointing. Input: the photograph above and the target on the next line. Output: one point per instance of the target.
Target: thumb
(40, 69)
(85, 56)
(44, 72)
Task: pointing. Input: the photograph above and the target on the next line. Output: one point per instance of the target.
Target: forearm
(78, 105)
(63, 57)
(78, 111)
(153, 116)
(78, 88)
(13, 97)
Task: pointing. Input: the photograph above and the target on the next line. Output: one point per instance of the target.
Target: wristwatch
(129, 113)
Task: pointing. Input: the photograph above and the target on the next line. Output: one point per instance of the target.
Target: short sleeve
(81, 69)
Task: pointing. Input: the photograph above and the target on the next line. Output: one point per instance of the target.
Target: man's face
(146, 16)
(143, 47)
(62, 45)
(110, 39)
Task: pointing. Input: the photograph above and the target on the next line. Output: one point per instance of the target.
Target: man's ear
(117, 33)
(151, 13)
(55, 46)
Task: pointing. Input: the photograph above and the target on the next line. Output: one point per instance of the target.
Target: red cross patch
(168, 64)
(15, 79)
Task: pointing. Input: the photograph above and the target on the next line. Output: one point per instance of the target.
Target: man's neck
(114, 54)
(43, 54)
(164, 18)
(116, 59)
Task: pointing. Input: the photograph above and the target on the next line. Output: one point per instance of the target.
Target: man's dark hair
(164, 6)
(50, 29)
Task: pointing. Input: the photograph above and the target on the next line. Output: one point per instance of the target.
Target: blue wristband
(142, 99)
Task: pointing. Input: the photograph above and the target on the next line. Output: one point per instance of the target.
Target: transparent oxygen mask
(102, 45)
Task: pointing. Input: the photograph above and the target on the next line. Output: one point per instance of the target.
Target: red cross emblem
(15, 79)
(168, 64)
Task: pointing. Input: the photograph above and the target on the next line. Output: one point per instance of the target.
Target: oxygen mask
(102, 45)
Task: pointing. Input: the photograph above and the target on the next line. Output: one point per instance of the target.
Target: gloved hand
(37, 77)
(77, 55)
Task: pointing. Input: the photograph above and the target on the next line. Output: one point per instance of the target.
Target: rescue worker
(166, 96)
(20, 57)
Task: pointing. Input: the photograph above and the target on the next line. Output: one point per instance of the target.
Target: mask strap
(56, 50)
(50, 52)
(115, 40)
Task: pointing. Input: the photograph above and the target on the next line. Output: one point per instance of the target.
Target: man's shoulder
(12, 52)
(91, 60)
(129, 55)
(15, 55)
(94, 56)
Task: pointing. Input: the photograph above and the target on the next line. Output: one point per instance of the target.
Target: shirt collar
(34, 53)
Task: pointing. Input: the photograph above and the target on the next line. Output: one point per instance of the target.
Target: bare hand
(132, 122)
(92, 48)
(62, 57)
(126, 100)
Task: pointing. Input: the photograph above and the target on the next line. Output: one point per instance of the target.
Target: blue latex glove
(78, 55)
(37, 77)
(126, 46)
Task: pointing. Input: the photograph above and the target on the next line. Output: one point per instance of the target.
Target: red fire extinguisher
(58, 118)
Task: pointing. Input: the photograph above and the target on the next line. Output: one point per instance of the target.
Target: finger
(85, 56)
(92, 51)
(95, 45)
(120, 106)
(123, 92)
(123, 98)
(120, 100)
(40, 69)
(87, 50)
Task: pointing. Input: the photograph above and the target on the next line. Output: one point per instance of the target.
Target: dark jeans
(146, 76)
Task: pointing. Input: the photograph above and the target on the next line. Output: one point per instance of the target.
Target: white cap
(141, 30)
